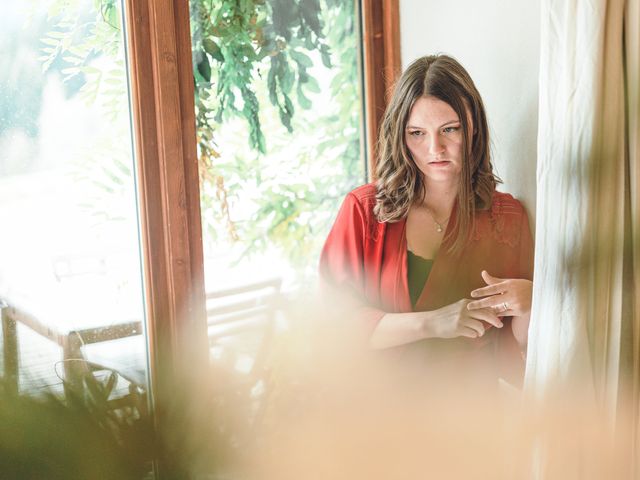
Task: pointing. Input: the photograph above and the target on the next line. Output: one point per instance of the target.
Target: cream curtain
(584, 340)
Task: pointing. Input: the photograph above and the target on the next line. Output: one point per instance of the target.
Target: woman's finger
(489, 302)
(496, 289)
(490, 279)
(476, 325)
(468, 332)
(507, 313)
(488, 316)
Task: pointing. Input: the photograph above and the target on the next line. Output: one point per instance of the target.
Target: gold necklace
(439, 227)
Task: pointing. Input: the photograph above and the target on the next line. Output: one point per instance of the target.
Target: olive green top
(418, 270)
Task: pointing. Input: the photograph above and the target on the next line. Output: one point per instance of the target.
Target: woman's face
(434, 138)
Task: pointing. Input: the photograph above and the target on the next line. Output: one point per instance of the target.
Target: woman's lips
(439, 164)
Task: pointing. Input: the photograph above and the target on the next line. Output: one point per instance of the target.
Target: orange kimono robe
(367, 260)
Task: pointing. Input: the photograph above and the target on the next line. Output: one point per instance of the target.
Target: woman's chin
(440, 175)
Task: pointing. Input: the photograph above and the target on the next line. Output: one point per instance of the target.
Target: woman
(414, 248)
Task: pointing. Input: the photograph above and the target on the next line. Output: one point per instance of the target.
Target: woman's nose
(435, 145)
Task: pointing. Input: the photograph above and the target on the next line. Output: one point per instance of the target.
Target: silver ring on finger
(501, 307)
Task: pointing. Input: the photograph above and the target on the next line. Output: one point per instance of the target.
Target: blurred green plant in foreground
(46, 438)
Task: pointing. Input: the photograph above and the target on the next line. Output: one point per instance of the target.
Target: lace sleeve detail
(506, 216)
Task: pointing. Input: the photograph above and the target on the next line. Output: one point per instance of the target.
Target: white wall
(497, 41)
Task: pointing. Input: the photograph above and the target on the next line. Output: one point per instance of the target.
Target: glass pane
(279, 120)
(70, 269)
(278, 104)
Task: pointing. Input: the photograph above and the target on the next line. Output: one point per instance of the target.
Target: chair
(110, 363)
(241, 322)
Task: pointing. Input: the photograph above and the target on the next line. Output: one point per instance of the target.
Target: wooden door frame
(162, 98)
(382, 65)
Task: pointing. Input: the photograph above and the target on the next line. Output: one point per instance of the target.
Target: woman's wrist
(395, 329)
(426, 325)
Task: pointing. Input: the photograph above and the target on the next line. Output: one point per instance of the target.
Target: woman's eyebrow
(444, 124)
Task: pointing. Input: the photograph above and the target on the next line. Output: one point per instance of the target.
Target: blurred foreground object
(343, 412)
(47, 438)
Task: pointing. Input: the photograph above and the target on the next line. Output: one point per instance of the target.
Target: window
(70, 271)
(280, 133)
(69, 184)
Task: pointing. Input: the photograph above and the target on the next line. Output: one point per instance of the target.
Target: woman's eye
(415, 133)
(450, 129)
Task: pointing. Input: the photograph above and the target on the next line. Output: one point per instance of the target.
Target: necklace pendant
(438, 228)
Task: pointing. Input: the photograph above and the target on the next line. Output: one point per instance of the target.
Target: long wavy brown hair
(399, 181)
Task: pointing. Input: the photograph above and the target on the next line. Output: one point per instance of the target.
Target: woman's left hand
(506, 296)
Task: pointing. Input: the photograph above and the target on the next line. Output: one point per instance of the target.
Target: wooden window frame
(162, 98)
(162, 101)
(382, 65)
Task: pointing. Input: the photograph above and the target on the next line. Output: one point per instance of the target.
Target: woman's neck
(439, 197)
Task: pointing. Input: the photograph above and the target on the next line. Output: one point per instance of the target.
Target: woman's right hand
(455, 320)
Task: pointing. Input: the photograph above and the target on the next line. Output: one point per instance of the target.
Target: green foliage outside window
(255, 61)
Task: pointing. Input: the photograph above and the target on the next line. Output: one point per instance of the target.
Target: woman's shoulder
(364, 193)
(505, 204)
(358, 210)
(505, 218)
(364, 196)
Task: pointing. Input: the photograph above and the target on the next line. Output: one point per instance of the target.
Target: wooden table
(69, 335)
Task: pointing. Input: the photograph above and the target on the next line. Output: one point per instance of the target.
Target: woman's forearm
(450, 321)
(395, 329)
